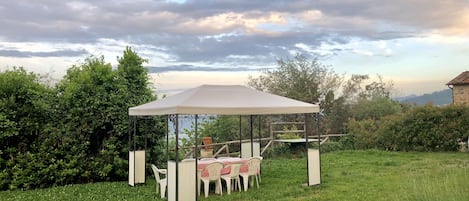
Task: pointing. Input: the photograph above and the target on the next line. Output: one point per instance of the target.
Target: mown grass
(346, 175)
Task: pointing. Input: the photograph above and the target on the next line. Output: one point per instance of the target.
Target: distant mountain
(443, 97)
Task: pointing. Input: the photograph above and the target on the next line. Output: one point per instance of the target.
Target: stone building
(460, 87)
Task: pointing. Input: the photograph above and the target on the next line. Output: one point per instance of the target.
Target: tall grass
(346, 175)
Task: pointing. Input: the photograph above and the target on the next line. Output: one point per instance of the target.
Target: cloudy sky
(418, 44)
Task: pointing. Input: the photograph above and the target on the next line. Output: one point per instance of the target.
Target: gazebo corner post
(251, 130)
(318, 125)
(318, 128)
(240, 138)
(313, 155)
(260, 137)
(177, 156)
(134, 128)
(130, 130)
(307, 130)
(167, 138)
(196, 156)
(145, 157)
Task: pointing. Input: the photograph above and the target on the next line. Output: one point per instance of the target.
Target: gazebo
(222, 100)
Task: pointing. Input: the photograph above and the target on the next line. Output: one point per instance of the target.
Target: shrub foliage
(74, 132)
(425, 128)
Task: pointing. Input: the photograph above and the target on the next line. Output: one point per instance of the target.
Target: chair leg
(157, 189)
(163, 191)
(239, 183)
(228, 185)
(217, 188)
(221, 188)
(257, 181)
(206, 188)
(245, 182)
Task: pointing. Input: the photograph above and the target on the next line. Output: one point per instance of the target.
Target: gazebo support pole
(252, 134)
(177, 156)
(318, 125)
(240, 138)
(135, 143)
(167, 138)
(307, 126)
(145, 157)
(196, 157)
(260, 129)
(131, 123)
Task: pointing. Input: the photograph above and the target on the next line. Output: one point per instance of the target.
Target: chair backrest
(207, 159)
(188, 160)
(234, 169)
(214, 170)
(254, 165)
(156, 172)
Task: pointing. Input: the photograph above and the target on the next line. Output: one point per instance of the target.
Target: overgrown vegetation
(425, 128)
(74, 132)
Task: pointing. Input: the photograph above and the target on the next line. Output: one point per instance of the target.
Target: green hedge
(75, 132)
(425, 128)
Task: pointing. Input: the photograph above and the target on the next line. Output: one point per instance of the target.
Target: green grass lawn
(346, 175)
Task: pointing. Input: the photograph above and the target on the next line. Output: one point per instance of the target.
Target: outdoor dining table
(201, 164)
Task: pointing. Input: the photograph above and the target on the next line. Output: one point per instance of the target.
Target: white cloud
(231, 56)
(363, 52)
(80, 6)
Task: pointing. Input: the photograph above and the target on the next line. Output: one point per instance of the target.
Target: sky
(418, 45)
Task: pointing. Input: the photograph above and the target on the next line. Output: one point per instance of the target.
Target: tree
(135, 77)
(136, 89)
(353, 87)
(93, 105)
(300, 79)
(23, 108)
(25, 111)
(374, 101)
(76, 132)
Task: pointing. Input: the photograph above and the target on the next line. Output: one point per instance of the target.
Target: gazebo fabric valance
(223, 100)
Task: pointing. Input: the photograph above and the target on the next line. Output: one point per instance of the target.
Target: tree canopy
(49, 132)
(313, 82)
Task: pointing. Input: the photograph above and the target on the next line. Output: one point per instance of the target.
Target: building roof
(461, 79)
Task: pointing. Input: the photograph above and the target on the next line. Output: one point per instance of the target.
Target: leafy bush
(426, 128)
(364, 133)
(331, 146)
(76, 132)
(279, 150)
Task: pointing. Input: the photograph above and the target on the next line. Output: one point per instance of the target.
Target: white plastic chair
(188, 160)
(234, 175)
(207, 159)
(254, 167)
(259, 173)
(159, 182)
(214, 175)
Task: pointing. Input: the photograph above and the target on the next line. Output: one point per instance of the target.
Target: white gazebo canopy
(223, 100)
